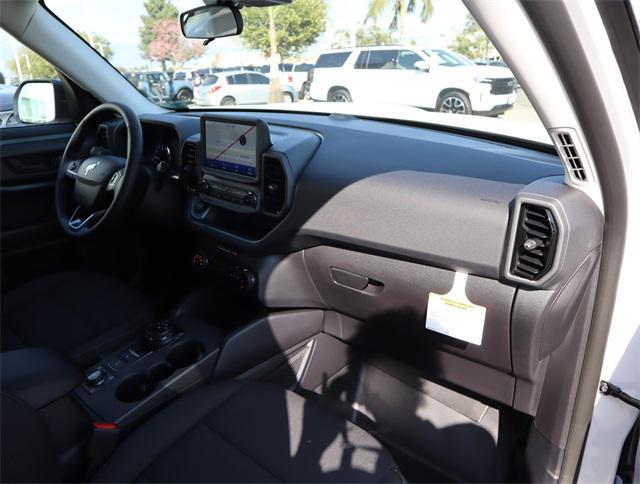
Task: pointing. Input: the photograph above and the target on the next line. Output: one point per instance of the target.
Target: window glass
(332, 60)
(361, 61)
(241, 79)
(303, 68)
(21, 64)
(258, 79)
(209, 80)
(382, 59)
(407, 59)
(314, 49)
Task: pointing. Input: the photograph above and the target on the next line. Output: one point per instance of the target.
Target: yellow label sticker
(454, 315)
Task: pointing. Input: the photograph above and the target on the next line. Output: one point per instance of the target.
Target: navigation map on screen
(231, 147)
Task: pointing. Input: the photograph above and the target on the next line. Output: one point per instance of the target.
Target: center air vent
(102, 136)
(535, 244)
(275, 186)
(189, 153)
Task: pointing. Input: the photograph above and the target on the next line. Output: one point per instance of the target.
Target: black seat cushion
(240, 432)
(28, 453)
(81, 314)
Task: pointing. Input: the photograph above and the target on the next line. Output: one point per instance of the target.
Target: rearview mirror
(422, 66)
(40, 101)
(211, 22)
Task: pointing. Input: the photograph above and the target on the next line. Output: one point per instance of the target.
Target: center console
(164, 361)
(242, 175)
(232, 161)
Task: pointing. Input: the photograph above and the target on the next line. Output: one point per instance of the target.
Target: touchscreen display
(231, 147)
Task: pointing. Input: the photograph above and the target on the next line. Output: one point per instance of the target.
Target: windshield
(426, 60)
(449, 59)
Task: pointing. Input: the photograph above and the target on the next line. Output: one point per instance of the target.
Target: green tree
(400, 10)
(156, 10)
(472, 41)
(99, 43)
(32, 65)
(365, 37)
(297, 26)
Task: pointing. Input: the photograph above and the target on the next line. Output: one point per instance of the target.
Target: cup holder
(161, 371)
(141, 385)
(185, 354)
(136, 387)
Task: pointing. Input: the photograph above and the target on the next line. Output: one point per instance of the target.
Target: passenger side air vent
(570, 154)
(274, 186)
(102, 136)
(535, 243)
(189, 151)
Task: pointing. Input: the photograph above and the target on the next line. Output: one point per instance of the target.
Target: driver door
(30, 235)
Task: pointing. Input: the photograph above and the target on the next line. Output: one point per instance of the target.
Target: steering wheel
(94, 188)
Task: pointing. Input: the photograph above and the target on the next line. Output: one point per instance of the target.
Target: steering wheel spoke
(78, 222)
(71, 170)
(115, 180)
(92, 190)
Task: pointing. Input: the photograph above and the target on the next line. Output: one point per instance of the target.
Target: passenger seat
(233, 432)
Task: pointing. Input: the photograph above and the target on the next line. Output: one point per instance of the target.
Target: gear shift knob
(158, 334)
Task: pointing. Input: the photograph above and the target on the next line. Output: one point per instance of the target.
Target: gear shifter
(158, 334)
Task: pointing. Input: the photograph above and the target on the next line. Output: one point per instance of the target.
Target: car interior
(167, 316)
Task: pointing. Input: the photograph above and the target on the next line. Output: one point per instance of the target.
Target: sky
(119, 20)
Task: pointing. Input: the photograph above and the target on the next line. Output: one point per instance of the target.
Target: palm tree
(400, 10)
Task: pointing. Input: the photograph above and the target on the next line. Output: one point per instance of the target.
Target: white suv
(432, 79)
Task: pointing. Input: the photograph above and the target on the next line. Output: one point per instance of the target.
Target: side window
(258, 79)
(407, 59)
(361, 61)
(336, 59)
(26, 65)
(231, 80)
(242, 78)
(382, 59)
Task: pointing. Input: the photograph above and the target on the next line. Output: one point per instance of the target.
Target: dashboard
(367, 218)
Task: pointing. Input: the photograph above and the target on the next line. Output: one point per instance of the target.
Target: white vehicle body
(237, 87)
(296, 77)
(363, 75)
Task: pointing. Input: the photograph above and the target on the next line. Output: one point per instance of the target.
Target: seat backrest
(28, 454)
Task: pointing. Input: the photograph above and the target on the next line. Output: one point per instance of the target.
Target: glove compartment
(389, 297)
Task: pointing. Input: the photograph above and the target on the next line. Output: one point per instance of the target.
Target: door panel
(29, 159)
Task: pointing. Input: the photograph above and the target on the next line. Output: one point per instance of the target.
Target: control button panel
(227, 271)
(235, 196)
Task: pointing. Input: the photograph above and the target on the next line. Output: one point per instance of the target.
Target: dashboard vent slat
(535, 242)
(189, 153)
(274, 186)
(570, 154)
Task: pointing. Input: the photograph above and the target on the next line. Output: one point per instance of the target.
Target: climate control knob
(250, 199)
(200, 260)
(246, 280)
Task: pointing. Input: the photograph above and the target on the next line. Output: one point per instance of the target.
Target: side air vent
(274, 190)
(189, 153)
(570, 154)
(102, 136)
(535, 244)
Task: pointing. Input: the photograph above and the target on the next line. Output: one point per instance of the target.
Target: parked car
(159, 86)
(238, 87)
(433, 79)
(489, 62)
(293, 74)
